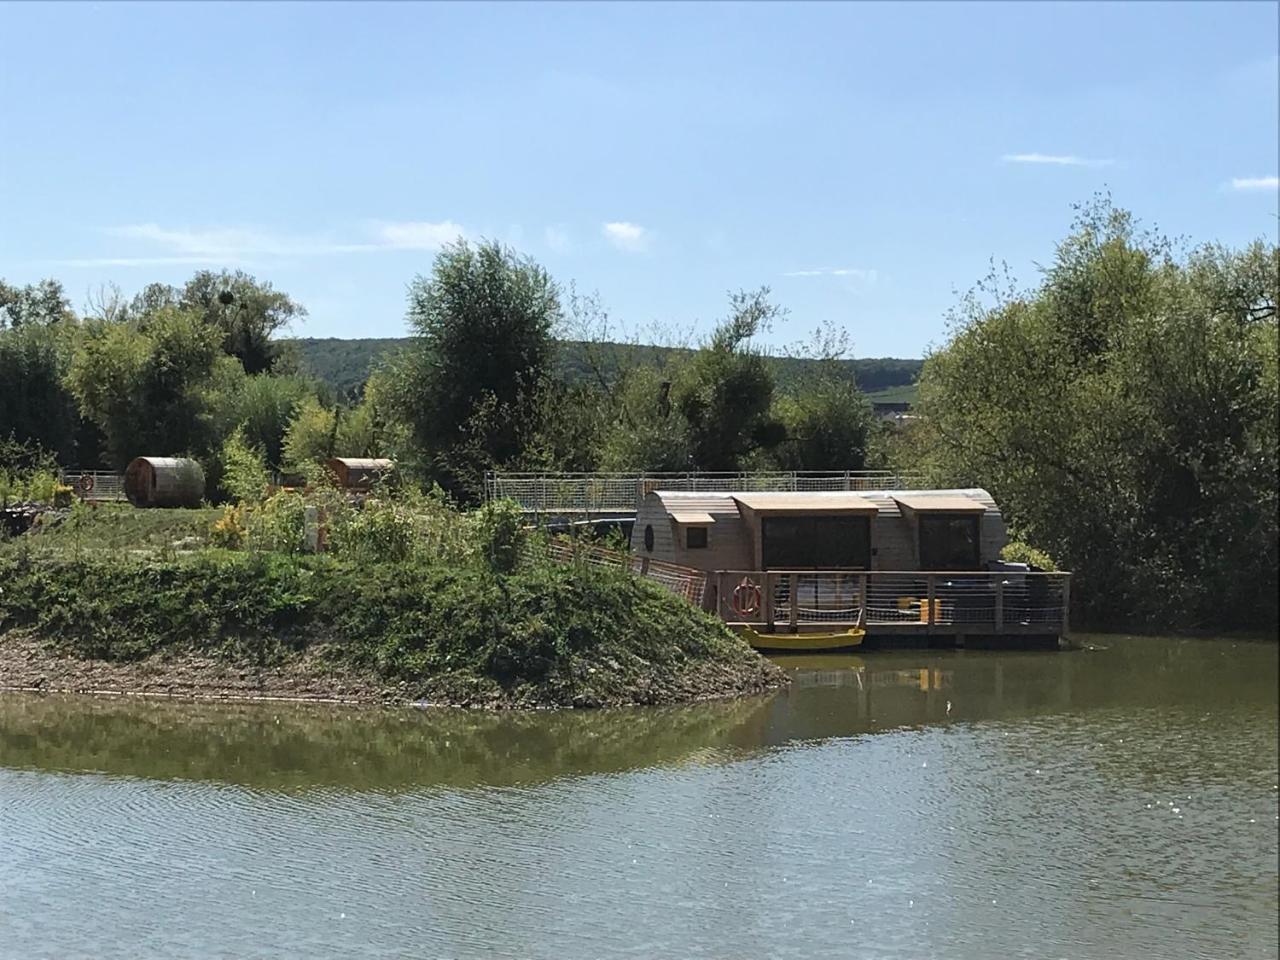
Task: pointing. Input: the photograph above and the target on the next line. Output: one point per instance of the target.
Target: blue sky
(865, 161)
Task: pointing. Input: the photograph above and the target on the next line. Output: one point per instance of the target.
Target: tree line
(1123, 410)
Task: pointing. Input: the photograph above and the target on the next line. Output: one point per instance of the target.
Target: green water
(1115, 803)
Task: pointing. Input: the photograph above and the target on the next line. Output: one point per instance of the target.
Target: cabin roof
(836, 501)
(701, 506)
(363, 463)
(943, 501)
(163, 462)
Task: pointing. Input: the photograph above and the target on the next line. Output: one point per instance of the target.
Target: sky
(866, 162)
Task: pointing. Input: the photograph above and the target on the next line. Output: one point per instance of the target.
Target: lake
(1119, 802)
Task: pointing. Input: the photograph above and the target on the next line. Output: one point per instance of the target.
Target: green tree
(478, 362)
(35, 406)
(725, 392)
(1123, 413)
(146, 386)
(37, 304)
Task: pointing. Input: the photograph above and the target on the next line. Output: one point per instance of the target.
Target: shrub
(500, 534)
(1019, 552)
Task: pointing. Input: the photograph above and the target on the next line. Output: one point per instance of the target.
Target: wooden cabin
(359, 473)
(900, 530)
(164, 482)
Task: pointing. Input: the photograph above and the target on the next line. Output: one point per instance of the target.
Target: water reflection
(286, 746)
(1115, 804)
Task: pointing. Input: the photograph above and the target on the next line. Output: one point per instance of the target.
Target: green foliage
(145, 384)
(543, 634)
(1018, 552)
(479, 361)
(244, 472)
(42, 304)
(827, 422)
(1124, 415)
(311, 434)
(500, 534)
(246, 312)
(261, 407)
(725, 393)
(35, 405)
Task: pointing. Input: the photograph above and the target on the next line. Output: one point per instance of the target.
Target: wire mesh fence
(682, 581)
(558, 493)
(95, 484)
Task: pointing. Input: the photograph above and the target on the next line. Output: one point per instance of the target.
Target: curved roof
(688, 506)
(364, 463)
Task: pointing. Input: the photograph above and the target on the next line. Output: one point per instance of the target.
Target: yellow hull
(782, 642)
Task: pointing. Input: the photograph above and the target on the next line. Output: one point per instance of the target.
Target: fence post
(999, 606)
(770, 583)
(929, 618)
(793, 602)
(862, 598)
(1066, 604)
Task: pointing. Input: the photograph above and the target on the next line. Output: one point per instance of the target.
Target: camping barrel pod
(359, 473)
(164, 482)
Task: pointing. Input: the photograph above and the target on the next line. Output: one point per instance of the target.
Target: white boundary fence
(95, 484)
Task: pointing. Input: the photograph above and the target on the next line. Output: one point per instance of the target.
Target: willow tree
(480, 359)
(1123, 412)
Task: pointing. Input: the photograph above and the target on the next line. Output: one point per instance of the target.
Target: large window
(816, 543)
(949, 541)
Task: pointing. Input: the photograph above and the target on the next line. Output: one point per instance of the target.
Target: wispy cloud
(854, 273)
(1255, 183)
(418, 234)
(236, 245)
(630, 237)
(1055, 159)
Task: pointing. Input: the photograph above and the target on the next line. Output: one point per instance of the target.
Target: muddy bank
(30, 664)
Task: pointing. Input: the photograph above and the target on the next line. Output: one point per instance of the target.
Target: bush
(1018, 552)
(500, 534)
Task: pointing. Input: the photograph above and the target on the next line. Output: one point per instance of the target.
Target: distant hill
(345, 364)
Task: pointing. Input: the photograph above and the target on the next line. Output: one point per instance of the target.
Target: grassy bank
(541, 635)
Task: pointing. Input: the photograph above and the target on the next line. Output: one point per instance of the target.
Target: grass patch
(121, 527)
(543, 634)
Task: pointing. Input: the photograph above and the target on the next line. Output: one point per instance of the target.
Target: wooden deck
(902, 608)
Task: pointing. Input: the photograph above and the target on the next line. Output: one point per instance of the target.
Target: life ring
(746, 597)
(86, 483)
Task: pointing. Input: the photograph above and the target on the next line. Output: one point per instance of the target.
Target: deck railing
(682, 581)
(602, 493)
(932, 602)
(95, 484)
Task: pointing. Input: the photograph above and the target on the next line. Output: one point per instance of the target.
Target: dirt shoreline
(28, 664)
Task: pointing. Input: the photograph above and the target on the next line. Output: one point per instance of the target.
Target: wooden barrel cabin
(164, 482)
(359, 473)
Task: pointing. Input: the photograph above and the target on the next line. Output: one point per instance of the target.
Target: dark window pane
(815, 543)
(787, 542)
(841, 542)
(948, 541)
(695, 538)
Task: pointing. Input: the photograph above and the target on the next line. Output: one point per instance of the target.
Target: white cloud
(1255, 183)
(855, 273)
(627, 236)
(234, 245)
(1052, 159)
(418, 234)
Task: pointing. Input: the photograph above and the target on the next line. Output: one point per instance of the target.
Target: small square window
(695, 538)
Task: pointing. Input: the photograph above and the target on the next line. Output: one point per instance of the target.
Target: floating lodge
(806, 568)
